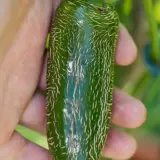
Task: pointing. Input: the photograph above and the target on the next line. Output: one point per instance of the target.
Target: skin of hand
(23, 30)
(147, 148)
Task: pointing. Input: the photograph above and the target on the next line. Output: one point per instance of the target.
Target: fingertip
(127, 111)
(119, 145)
(148, 148)
(126, 50)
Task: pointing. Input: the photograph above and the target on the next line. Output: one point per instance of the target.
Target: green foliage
(153, 29)
(156, 11)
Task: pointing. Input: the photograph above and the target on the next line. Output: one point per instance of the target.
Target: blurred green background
(140, 18)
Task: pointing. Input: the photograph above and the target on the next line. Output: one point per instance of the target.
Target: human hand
(148, 148)
(23, 31)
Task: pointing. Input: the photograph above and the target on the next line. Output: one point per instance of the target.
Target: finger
(34, 116)
(127, 111)
(18, 148)
(126, 50)
(20, 69)
(148, 149)
(125, 54)
(119, 145)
